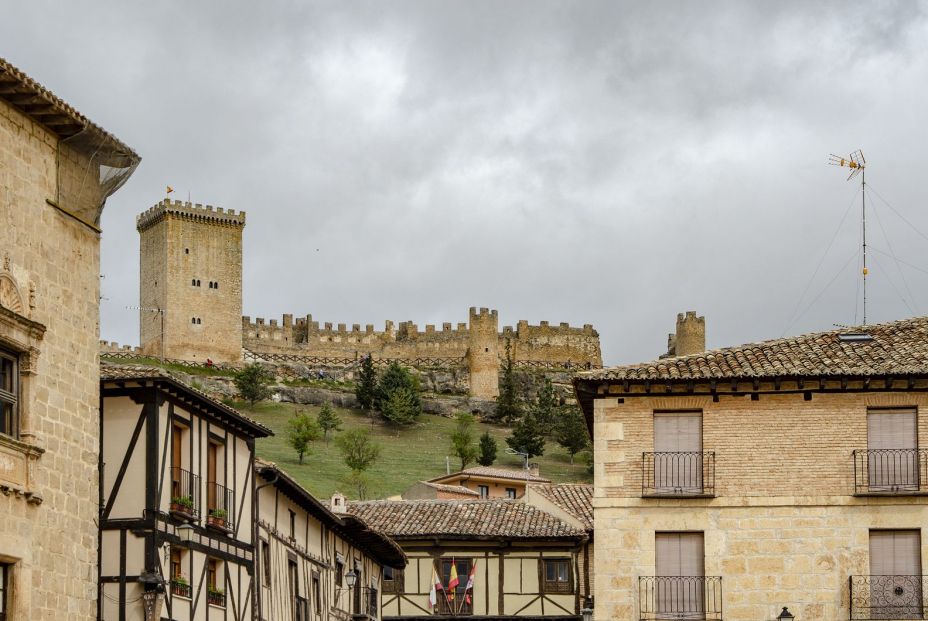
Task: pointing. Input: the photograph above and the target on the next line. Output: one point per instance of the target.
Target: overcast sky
(607, 163)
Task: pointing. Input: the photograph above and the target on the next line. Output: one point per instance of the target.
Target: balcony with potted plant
(215, 596)
(185, 488)
(220, 501)
(180, 586)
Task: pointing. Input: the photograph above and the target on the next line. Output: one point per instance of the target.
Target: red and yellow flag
(453, 581)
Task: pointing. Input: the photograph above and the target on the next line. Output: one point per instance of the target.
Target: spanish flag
(453, 580)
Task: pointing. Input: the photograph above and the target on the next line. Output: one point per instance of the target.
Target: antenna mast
(857, 163)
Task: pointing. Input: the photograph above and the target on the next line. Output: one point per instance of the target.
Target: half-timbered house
(511, 559)
(314, 564)
(176, 510)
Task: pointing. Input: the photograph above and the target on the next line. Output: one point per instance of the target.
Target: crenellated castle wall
(559, 343)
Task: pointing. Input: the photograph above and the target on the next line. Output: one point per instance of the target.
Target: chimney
(338, 504)
(690, 336)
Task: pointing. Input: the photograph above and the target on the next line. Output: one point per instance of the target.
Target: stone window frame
(9, 399)
(20, 337)
(4, 589)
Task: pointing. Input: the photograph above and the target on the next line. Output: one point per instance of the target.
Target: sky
(611, 163)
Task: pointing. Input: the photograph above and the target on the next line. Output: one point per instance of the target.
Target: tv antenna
(524, 456)
(857, 163)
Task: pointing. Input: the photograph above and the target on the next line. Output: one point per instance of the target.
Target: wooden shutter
(679, 554)
(895, 553)
(892, 437)
(677, 432)
(678, 448)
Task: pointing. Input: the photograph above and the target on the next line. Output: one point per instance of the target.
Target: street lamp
(351, 578)
(786, 615)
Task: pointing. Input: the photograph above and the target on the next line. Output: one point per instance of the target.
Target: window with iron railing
(185, 493)
(888, 597)
(680, 598)
(680, 474)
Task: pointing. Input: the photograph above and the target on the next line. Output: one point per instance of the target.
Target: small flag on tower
(170, 189)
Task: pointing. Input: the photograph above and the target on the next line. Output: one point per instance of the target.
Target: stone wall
(784, 527)
(50, 316)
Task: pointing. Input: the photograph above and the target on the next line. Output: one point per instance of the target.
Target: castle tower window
(198, 282)
(193, 320)
(186, 250)
(199, 321)
(193, 283)
(215, 285)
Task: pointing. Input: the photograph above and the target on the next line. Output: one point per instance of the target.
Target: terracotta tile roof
(46, 108)
(115, 372)
(490, 471)
(574, 498)
(898, 348)
(463, 519)
(451, 489)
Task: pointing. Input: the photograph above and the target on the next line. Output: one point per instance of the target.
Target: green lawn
(408, 455)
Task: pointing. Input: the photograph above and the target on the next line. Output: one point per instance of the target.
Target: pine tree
(526, 437)
(253, 383)
(367, 384)
(397, 395)
(462, 439)
(572, 433)
(487, 449)
(301, 430)
(545, 409)
(508, 405)
(328, 421)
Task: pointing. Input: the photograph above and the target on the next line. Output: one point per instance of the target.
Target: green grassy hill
(408, 455)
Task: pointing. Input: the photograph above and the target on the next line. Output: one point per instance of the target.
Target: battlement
(523, 329)
(189, 211)
(112, 347)
(690, 316)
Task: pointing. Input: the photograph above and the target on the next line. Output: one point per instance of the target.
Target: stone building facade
(191, 282)
(732, 483)
(49, 330)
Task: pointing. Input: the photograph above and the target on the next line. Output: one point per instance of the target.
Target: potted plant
(217, 518)
(215, 596)
(182, 505)
(180, 586)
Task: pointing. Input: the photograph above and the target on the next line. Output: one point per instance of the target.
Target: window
(186, 250)
(679, 566)
(892, 450)
(215, 593)
(510, 492)
(895, 574)
(678, 452)
(198, 282)
(266, 562)
(292, 524)
(339, 571)
(484, 491)
(461, 606)
(556, 576)
(193, 320)
(9, 394)
(4, 587)
(193, 282)
(393, 580)
(317, 593)
(293, 582)
(215, 285)
(179, 583)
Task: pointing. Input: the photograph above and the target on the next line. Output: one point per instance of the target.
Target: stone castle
(191, 309)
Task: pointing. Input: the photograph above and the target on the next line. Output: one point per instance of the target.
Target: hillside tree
(253, 383)
(359, 452)
(397, 395)
(367, 384)
(508, 405)
(571, 431)
(545, 409)
(462, 439)
(328, 421)
(487, 449)
(301, 430)
(526, 437)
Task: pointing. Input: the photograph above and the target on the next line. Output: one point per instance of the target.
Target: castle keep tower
(483, 353)
(690, 336)
(191, 265)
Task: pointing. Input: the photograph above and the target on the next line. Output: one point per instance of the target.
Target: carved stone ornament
(10, 297)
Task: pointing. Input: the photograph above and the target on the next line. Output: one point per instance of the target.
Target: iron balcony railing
(185, 493)
(888, 597)
(685, 474)
(216, 598)
(891, 471)
(220, 506)
(366, 602)
(681, 598)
